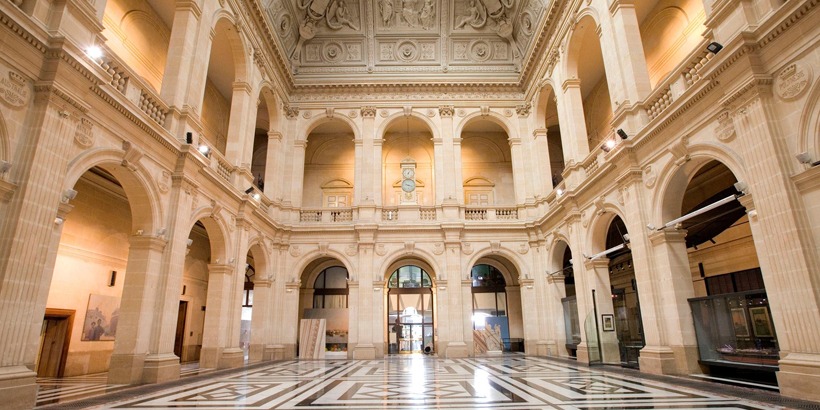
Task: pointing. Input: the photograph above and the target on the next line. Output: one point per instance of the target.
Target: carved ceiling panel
(472, 39)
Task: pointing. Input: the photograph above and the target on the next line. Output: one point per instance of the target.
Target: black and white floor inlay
(509, 382)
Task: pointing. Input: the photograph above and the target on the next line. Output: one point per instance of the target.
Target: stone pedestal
(364, 352)
(125, 368)
(160, 368)
(657, 360)
(456, 350)
(231, 357)
(18, 387)
(799, 376)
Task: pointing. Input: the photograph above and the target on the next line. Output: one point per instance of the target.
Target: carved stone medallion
(793, 80)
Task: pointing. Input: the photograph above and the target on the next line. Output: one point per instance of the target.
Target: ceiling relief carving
(470, 39)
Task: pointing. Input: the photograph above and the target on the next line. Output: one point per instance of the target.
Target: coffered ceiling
(405, 41)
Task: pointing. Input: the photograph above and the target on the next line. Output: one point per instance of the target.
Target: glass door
(410, 320)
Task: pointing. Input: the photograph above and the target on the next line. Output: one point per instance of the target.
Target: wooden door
(180, 333)
(54, 339)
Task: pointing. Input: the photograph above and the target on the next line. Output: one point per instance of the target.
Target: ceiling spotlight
(204, 149)
(622, 134)
(95, 52)
(714, 47)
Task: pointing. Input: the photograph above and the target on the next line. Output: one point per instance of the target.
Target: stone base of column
(126, 368)
(611, 351)
(274, 352)
(379, 349)
(686, 359)
(18, 387)
(546, 348)
(160, 368)
(231, 358)
(583, 353)
(256, 353)
(456, 350)
(364, 352)
(657, 360)
(799, 376)
(209, 357)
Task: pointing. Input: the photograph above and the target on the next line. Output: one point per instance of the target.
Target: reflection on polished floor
(508, 382)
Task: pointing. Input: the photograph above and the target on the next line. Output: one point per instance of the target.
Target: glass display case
(736, 329)
(571, 325)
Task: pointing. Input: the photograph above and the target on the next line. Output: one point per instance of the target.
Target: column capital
(539, 132)
(274, 135)
(570, 83)
(189, 5)
(300, 144)
(220, 269)
(292, 112)
(595, 264)
(446, 111)
(668, 235)
(523, 110)
(151, 243)
(368, 112)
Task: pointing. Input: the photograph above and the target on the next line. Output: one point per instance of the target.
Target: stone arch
(318, 264)
(599, 226)
(257, 249)
(494, 117)
(418, 258)
(218, 236)
(555, 254)
(322, 119)
(496, 258)
(546, 91)
(236, 42)
(267, 94)
(146, 209)
(317, 255)
(810, 125)
(395, 117)
(573, 44)
(674, 179)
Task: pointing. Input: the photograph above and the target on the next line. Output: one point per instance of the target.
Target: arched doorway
(325, 296)
(625, 304)
(410, 311)
(491, 314)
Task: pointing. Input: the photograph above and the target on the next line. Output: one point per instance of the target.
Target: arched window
(330, 289)
(489, 294)
(409, 277)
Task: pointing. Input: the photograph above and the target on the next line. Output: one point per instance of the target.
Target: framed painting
(761, 324)
(739, 322)
(101, 318)
(608, 322)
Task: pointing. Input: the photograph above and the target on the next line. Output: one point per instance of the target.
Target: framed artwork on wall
(608, 322)
(761, 324)
(101, 318)
(739, 322)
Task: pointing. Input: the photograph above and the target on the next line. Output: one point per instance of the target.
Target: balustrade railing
(427, 213)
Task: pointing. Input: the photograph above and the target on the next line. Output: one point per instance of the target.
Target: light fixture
(95, 52)
(189, 138)
(249, 190)
(58, 220)
(559, 192)
(69, 194)
(204, 149)
(740, 186)
(161, 232)
(608, 145)
(189, 242)
(256, 196)
(607, 252)
(5, 166)
(803, 157)
(622, 134)
(714, 47)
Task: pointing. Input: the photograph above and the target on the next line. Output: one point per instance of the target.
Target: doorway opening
(410, 311)
(55, 336)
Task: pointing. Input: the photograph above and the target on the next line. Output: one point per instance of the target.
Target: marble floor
(506, 382)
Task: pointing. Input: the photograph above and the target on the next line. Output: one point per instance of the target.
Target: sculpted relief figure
(473, 17)
(386, 11)
(428, 15)
(339, 16)
(409, 14)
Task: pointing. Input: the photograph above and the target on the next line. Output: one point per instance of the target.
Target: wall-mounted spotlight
(622, 134)
(95, 52)
(740, 186)
(803, 157)
(189, 242)
(608, 145)
(5, 166)
(559, 192)
(204, 149)
(58, 220)
(249, 190)
(256, 196)
(69, 194)
(189, 138)
(714, 47)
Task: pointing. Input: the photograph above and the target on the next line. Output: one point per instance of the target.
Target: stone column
(573, 126)
(366, 160)
(298, 173)
(274, 161)
(451, 303)
(628, 49)
(182, 57)
(597, 271)
(542, 166)
(364, 319)
(517, 297)
(239, 148)
(528, 166)
(519, 171)
(216, 347)
(262, 322)
(674, 282)
(448, 189)
(789, 262)
(556, 342)
(27, 230)
(283, 345)
(378, 178)
(290, 323)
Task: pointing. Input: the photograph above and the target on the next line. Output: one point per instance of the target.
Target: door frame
(67, 314)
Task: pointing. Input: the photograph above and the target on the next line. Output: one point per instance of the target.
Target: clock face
(408, 185)
(408, 173)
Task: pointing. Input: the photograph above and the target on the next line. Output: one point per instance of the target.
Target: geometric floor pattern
(507, 382)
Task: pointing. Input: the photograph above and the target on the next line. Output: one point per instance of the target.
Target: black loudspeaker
(189, 138)
(112, 280)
